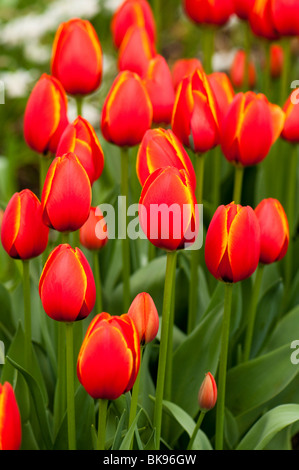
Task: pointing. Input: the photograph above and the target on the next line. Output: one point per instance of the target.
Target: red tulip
(10, 419)
(232, 247)
(144, 314)
(161, 148)
(290, 131)
(216, 12)
(45, 115)
(184, 67)
(66, 196)
(94, 234)
(195, 118)
(261, 20)
(127, 111)
(207, 395)
(223, 91)
(23, 233)
(286, 17)
(80, 138)
(243, 8)
(67, 287)
(274, 230)
(132, 13)
(109, 358)
(167, 210)
(250, 115)
(238, 70)
(77, 57)
(159, 85)
(276, 60)
(136, 51)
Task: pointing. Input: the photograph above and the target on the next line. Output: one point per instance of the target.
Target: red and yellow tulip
(145, 316)
(10, 419)
(94, 233)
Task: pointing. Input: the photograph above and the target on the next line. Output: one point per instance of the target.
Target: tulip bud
(136, 51)
(285, 17)
(290, 131)
(167, 209)
(67, 287)
(77, 57)
(261, 20)
(223, 92)
(182, 68)
(238, 71)
(243, 8)
(195, 120)
(10, 419)
(274, 230)
(232, 247)
(132, 13)
(207, 395)
(216, 12)
(161, 148)
(127, 112)
(145, 316)
(66, 196)
(109, 358)
(94, 234)
(249, 115)
(23, 233)
(276, 60)
(80, 138)
(45, 115)
(158, 83)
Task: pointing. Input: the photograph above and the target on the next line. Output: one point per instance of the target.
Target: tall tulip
(136, 51)
(215, 12)
(285, 17)
(223, 91)
(184, 67)
(10, 419)
(261, 20)
(144, 313)
(238, 70)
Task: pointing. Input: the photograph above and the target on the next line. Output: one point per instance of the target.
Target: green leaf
(125, 445)
(286, 331)
(268, 426)
(119, 431)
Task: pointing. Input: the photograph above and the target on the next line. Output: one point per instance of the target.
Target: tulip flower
(290, 131)
(216, 12)
(223, 91)
(66, 286)
(238, 71)
(80, 138)
(136, 51)
(243, 8)
(276, 60)
(184, 67)
(261, 20)
(144, 313)
(132, 13)
(159, 85)
(23, 233)
(45, 115)
(66, 196)
(161, 148)
(10, 419)
(285, 17)
(77, 57)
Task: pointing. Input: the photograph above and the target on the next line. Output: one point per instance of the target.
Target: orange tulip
(144, 314)
(216, 12)
(77, 58)
(223, 91)
(10, 419)
(94, 233)
(184, 67)
(207, 395)
(238, 70)
(136, 51)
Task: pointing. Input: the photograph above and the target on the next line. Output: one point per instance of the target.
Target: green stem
(157, 14)
(252, 311)
(125, 240)
(166, 312)
(196, 429)
(103, 406)
(247, 50)
(193, 286)
(70, 386)
(208, 48)
(79, 104)
(60, 398)
(285, 77)
(97, 278)
(223, 367)
(267, 72)
(65, 237)
(216, 176)
(27, 312)
(238, 183)
(44, 162)
(134, 398)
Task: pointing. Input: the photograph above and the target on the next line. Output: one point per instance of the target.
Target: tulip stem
(97, 278)
(27, 312)
(239, 174)
(157, 15)
(134, 398)
(247, 49)
(125, 240)
(252, 311)
(103, 406)
(70, 386)
(223, 367)
(208, 48)
(285, 77)
(61, 373)
(196, 429)
(79, 104)
(165, 324)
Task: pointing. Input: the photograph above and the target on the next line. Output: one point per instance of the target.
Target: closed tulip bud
(232, 247)
(136, 51)
(290, 130)
(10, 419)
(167, 211)
(66, 196)
(184, 67)
(286, 17)
(195, 118)
(80, 138)
(216, 12)
(223, 91)
(109, 358)
(67, 287)
(276, 60)
(243, 8)
(274, 230)
(127, 112)
(238, 71)
(132, 13)
(45, 115)
(161, 148)
(158, 83)
(249, 115)
(23, 233)
(261, 20)
(207, 395)
(77, 57)
(94, 233)
(144, 314)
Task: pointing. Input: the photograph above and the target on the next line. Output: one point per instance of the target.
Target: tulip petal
(216, 241)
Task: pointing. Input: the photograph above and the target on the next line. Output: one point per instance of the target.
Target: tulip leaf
(7, 326)
(125, 445)
(268, 426)
(286, 331)
(119, 431)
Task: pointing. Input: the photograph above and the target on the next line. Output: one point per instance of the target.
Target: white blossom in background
(18, 83)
